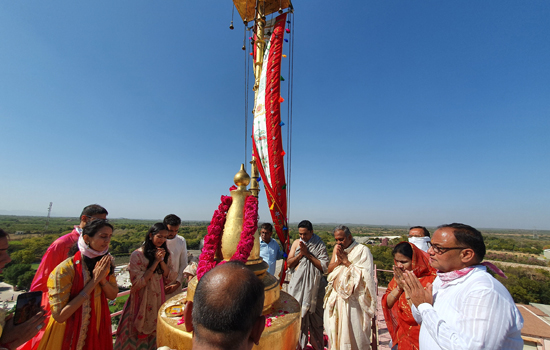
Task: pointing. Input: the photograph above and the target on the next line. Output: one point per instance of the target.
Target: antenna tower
(48, 217)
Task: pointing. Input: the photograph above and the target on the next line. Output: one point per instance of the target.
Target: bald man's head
(228, 302)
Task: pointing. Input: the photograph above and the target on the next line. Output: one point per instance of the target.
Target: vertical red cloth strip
(275, 192)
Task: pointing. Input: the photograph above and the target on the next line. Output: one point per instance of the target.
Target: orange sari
(399, 319)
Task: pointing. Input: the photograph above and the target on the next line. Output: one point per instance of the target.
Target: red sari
(94, 339)
(57, 252)
(399, 319)
(82, 330)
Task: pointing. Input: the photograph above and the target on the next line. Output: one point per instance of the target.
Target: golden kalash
(282, 311)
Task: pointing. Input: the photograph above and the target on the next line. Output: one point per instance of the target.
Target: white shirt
(270, 252)
(474, 311)
(178, 255)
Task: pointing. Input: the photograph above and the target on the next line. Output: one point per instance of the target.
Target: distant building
(372, 239)
(123, 277)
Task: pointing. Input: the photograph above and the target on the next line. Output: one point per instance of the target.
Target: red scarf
(402, 327)
(103, 340)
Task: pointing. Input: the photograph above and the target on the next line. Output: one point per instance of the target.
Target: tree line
(525, 285)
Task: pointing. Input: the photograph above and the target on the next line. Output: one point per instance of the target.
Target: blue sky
(404, 112)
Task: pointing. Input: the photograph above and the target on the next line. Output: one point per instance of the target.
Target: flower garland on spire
(215, 230)
(213, 238)
(250, 225)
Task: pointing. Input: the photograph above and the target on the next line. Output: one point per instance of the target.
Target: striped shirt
(474, 311)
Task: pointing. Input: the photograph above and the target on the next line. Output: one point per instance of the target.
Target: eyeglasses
(441, 250)
(94, 219)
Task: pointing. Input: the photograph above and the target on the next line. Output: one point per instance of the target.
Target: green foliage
(383, 259)
(35, 224)
(527, 285)
(29, 251)
(193, 243)
(127, 242)
(516, 243)
(23, 256)
(19, 275)
(25, 280)
(193, 234)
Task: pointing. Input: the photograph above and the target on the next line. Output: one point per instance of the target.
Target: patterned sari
(137, 328)
(399, 319)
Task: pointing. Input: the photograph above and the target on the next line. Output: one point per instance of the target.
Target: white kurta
(178, 257)
(350, 301)
(472, 312)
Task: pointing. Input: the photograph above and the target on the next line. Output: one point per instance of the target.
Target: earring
(88, 244)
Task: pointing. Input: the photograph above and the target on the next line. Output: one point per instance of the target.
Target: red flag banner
(268, 143)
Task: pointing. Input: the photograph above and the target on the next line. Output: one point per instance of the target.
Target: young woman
(78, 290)
(397, 308)
(150, 271)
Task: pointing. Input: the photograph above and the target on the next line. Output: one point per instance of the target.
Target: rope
(246, 86)
(232, 15)
(289, 107)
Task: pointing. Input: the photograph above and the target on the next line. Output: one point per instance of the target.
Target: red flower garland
(213, 239)
(250, 225)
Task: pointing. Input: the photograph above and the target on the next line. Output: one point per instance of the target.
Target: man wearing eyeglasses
(466, 308)
(57, 252)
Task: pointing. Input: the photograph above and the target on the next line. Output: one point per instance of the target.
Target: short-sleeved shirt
(270, 252)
